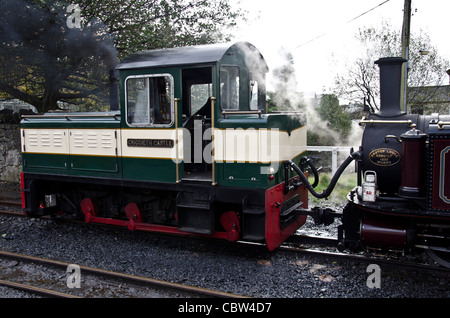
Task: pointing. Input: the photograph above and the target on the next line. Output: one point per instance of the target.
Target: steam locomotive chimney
(113, 91)
(390, 83)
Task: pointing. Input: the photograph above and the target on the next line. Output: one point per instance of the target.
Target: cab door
(197, 125)
(149, 134)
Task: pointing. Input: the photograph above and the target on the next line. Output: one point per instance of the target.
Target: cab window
(199, 95)
(229, 87)
(149, 100)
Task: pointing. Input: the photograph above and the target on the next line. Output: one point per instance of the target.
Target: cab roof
(201, 54)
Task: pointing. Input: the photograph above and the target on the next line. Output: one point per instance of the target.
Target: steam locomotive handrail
(242, 112)
(70, 115)
(177, 163)
(441, 124)
(213, 155)
(364, 120)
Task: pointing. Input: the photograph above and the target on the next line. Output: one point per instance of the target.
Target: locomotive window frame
(150, 122)
(225, 88)
(199, 95)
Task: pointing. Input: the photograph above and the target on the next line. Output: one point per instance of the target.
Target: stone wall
(10, 154)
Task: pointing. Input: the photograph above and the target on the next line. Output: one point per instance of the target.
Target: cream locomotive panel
(258, 145)
(152, 144)
(53, 141)
(94, 142)
(88, 142)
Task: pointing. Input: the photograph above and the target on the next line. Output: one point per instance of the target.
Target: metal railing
(334, 153)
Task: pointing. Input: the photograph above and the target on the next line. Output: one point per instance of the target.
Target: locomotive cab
(189, 90)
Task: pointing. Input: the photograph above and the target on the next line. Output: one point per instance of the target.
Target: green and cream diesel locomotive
(191, 151)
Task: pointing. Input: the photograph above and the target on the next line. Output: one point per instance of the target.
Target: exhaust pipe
(390, 84)
(113, 91)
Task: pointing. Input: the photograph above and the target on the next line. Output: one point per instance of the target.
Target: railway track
(326, 247)
(10, 203)
(17, 268)
(35, 290)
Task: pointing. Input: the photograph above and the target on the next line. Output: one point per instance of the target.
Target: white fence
(334, 153)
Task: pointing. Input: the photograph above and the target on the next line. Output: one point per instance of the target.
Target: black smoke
(56, 62)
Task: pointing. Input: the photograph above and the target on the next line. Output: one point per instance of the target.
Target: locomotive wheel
(440, 257)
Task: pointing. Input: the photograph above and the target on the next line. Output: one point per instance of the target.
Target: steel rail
(293, 247)
(151, 282)
(358, 257)
(12, 213)
(12, 203)
(36, 290)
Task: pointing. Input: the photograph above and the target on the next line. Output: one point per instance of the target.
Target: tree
(148, 24)
(46, 60)
(329, 124)
(330, 111)
(361, 81)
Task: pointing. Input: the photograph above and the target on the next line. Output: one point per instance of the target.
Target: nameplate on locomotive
(153, 143)
(384, 157)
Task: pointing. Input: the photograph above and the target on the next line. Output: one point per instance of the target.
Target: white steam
(287, 96)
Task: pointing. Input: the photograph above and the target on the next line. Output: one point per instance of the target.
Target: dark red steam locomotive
(402, 199)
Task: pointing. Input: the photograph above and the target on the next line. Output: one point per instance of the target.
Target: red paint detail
(383, 232)
(230, 222)
(441, 175)
(88, 209)
(154, 228)
(274, 198)
(413, 153)
(133, 213)
(22, 188)
(131, 225)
